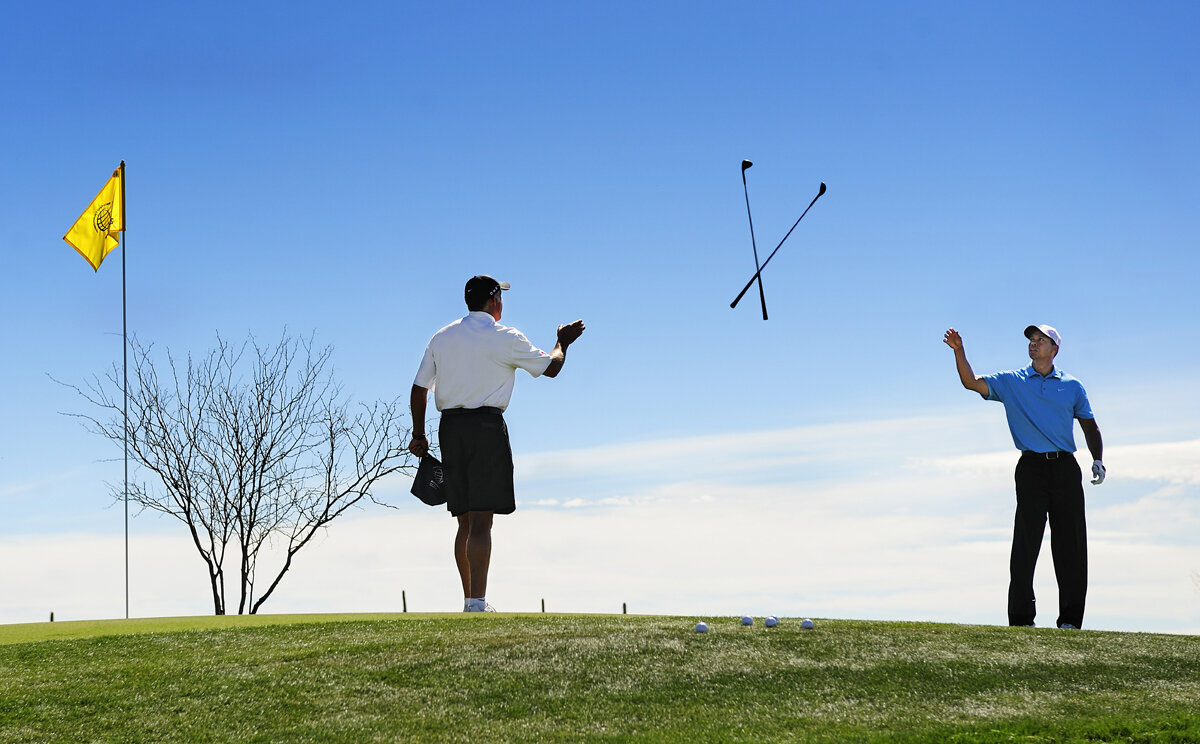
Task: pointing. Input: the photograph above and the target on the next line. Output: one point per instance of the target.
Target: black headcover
(427, 485)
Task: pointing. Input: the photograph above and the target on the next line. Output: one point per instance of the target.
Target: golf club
(761, 296)
(785, 237)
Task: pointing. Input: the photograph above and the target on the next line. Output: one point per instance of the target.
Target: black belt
(1047, 455)
(482, 409)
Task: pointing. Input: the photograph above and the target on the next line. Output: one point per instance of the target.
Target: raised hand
(953, 339)
(567, 334)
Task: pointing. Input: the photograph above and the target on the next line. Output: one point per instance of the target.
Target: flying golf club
(785, 237)
(761, 295)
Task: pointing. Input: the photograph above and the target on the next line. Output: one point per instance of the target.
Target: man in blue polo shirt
(1042, 403)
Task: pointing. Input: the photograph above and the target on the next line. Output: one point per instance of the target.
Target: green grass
(513, 678)
(34, 632)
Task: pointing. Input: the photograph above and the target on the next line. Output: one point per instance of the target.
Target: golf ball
(771, 621)
(701, 627)
(807, 624)
(747, 620)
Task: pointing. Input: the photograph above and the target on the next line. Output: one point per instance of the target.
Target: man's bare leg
(460, 555)
(479, 551)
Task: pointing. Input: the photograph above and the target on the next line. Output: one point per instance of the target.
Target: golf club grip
(744, 291)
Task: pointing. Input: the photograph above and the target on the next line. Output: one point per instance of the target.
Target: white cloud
(1174, 462)
(854, 520)
(1166, 514)
(24, 489)
(731, 453)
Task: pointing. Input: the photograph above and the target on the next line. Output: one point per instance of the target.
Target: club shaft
(762, 297)
(758, 273)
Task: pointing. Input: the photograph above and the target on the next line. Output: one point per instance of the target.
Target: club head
(746, 164)
(822, 190)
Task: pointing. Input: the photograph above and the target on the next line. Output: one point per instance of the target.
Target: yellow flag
(97, 231)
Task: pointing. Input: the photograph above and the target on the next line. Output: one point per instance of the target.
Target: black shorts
(477, 461)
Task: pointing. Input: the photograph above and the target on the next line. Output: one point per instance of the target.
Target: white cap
(1048, 330)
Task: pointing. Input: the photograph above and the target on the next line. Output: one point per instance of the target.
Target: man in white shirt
(471, 367)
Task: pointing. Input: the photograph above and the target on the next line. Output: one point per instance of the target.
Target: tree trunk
(217, 585)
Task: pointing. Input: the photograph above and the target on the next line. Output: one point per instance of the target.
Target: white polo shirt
(473, 362)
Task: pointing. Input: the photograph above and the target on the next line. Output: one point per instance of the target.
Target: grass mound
(506, 678)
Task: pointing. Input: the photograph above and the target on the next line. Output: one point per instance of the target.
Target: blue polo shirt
(1041, 410)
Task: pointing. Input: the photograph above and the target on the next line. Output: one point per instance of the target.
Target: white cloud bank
(848, 520)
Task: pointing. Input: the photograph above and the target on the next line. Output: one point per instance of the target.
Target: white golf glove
(1097, 473)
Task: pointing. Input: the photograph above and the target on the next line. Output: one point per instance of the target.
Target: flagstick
(125, 372)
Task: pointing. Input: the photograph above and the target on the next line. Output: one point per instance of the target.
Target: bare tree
(252, 447)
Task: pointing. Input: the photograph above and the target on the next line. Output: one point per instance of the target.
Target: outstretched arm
(567, 335)
(965, 374)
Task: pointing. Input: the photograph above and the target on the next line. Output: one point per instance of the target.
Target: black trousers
(1048, 488)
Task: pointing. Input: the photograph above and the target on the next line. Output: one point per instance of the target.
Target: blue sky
(341, 172)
